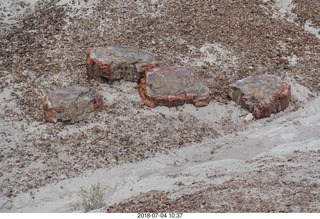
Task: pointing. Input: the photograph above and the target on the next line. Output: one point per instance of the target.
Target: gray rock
(8, 191)
(262, 95)
(5, 204)
(71, 104)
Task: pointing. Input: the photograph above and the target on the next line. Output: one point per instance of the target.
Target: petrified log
(119, 62)
(262, 94)
(71, 104)
(173, 86)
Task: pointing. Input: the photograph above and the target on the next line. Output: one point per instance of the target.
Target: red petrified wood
(119, 62)
(262, 95)
(173, 86)
(71, 104)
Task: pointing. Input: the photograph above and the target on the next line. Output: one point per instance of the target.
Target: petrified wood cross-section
(262, 94)
(173, 86)
(119, 62)
(71, 104)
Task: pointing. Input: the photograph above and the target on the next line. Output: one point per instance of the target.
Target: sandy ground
(286, 149)
(138, 154)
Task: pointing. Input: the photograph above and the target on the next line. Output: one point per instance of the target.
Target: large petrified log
(262, 95)
(173, 86)
(119, 62)
(71, 104)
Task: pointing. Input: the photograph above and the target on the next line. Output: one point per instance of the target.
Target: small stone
(8, 191)
(204, 66)
(1, 174)
(5, 203)
(172, 87)
(296, 122)
(262, 95)
(294, 99)
(119, 62)
(20, 164)
(71, 104)
(311, 95)
(30, 185)
(248, 118)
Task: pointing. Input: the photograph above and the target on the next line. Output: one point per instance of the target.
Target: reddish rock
(71, 104)
(173, 86)
(119, 62)
(262, 94)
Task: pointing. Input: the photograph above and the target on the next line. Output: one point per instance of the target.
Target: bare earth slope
(198, 154)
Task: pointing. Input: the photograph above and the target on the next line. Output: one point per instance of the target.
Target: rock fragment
(8, 191)
(294, 99)
(71, 104)
(248, 118)
(5, 203)
(173, 86)
(262, 95)
(119, 62)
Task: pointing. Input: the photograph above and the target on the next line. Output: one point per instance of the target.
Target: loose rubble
(261, 95)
